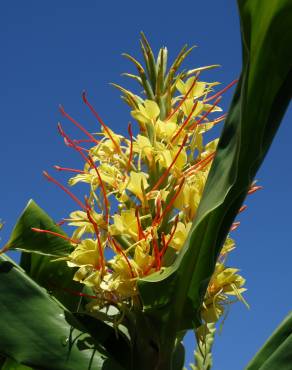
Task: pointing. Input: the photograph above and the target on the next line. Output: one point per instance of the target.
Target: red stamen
(106, 203)
(185, 122)
(158, 211)
(221, 91)
(170, 204)
(70, 142)
(62, 110)
(200, 165)
(184, 98)
(83, 141)
(55, 234)
(90, 161)
(149, 268)
(166, 172)
(120, 250)
(243, 208)
(195, 124)
(170, 238)
(4, 249)
(141, 234)
(95, 226)
(60, 223)
(100, 121)
(253, 189)
(234, 226)
(156, 253)
(50, 178)
(219, 119)
(74, 292)
(58, 168)
(131, 146)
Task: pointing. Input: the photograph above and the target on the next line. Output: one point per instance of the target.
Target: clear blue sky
(52, 50)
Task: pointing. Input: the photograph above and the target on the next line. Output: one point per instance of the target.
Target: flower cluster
(144, 190)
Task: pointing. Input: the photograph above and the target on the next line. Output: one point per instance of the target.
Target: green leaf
(145, 82)
(34, 329)
(149, 60)
(115, 339)
(276, 353)
(24, 239)
(259, 103)
(13, 365)
(56, 277)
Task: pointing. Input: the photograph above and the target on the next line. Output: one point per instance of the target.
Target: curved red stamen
(58, 168)
(156, 253)
(70, 142)
(96, 229)
(234, 226)
(90, 161)
(50, 178)
(253, 189)
(221, 91)
(120, 250)
(141, 234)
(158, 205)
(74, 292)
(170, 204)
(100, 121)
(170, 238)
(55, 234)
(242, 208)
(184, 98)
(62, 110)
(83, 141)
(131, 146)
(219, 119)
(166, 172)
(106, 203)
(185, 122)
(200, 165)
(195, 124)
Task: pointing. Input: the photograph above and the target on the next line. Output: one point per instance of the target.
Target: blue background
(52, 50)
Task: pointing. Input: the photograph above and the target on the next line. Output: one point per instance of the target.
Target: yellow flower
(80, 220)
(125, 223)
(153, 182)
(85, 253)
(137, 184)
(180, 235)
(165, 130)
(147, 112)
(197, 90)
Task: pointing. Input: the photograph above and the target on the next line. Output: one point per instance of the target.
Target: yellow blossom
(147, 112)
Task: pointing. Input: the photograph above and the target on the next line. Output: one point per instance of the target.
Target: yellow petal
(152, 109)
(135, 183)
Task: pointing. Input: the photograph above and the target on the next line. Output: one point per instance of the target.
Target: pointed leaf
(34, 329)
(23, 238)
(276, 353)
(256, 112)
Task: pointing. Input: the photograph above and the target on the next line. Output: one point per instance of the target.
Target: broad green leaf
(23, 238)
(56, 277)
(115, 340)
(35, 331)
(13, 365)
(260, 100)
(276, 353)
